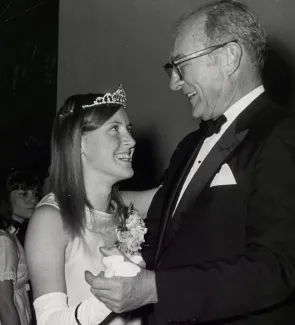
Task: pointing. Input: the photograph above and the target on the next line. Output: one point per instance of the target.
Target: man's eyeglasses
(174, 64)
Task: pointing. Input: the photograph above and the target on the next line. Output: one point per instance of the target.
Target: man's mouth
(125, 157)
(191, 95)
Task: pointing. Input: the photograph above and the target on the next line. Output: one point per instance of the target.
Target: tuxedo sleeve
(264, 275)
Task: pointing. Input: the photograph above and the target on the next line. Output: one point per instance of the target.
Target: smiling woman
(92, 151)
(113, 142)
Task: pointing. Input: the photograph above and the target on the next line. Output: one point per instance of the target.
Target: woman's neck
(99, 196)
(98, 189)
(17, 218)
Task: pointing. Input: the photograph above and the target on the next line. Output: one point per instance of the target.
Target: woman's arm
(140, 199)
(45, 245)
(8, 312)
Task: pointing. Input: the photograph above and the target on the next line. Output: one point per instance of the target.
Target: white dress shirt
(231, 114)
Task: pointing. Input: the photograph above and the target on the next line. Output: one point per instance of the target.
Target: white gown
(82, 253)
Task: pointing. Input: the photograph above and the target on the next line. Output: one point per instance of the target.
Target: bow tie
(211, 127)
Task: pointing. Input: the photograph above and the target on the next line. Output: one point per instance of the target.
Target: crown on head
(118, 97)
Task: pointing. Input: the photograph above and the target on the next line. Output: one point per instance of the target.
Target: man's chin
(197, 113)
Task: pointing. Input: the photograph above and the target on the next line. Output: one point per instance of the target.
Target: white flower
(131, 236)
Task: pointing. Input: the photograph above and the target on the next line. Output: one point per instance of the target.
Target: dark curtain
(28, 65)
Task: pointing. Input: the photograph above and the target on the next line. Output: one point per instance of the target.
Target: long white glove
(52, 308)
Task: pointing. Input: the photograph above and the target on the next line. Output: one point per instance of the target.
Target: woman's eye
(115, 128)
(129, 130)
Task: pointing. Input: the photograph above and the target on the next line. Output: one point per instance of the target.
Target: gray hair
(227, 20)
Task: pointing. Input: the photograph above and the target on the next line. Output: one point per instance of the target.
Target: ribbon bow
(211, 127)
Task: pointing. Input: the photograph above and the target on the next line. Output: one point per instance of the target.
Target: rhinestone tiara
(118, 97)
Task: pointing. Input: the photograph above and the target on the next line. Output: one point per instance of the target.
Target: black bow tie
(211, 127)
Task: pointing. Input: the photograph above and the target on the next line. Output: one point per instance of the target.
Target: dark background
(28, 65)
(97, 45)
(107, 42)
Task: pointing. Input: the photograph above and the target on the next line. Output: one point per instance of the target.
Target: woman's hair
(22, 180)
(16, 180)
(4, 222)
(66, 174)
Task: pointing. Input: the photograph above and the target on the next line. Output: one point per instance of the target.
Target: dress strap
(48, 199)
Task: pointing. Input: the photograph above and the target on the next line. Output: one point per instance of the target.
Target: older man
(222, 225)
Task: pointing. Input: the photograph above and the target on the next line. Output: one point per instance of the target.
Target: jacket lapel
(177, 183)
(222, 149)
(261, 109)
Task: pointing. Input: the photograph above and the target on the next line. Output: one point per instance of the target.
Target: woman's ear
(234, 56)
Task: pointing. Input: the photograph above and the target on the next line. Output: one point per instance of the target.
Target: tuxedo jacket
(227, 255)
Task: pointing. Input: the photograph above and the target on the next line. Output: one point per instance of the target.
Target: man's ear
(233, 57)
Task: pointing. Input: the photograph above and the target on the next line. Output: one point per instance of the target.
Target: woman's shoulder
(46, 215)
(5, 236)
(7, 242)
(46, 223)
(48, 200)
(8, 257)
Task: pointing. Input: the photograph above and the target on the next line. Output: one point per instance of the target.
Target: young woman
(21, 198)
(92, 150)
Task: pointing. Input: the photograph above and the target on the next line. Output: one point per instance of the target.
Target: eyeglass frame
(174, 64)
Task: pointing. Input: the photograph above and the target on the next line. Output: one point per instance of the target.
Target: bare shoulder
(46, 242)
(46, 231)
(47, 220)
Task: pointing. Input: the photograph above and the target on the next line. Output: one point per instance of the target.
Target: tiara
(118, 97)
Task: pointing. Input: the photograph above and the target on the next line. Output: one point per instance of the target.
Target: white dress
(82, 253)
(13, 266)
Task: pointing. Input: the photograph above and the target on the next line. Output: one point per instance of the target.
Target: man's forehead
(188, 41)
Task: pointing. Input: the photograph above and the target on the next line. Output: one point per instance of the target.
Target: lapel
(188, 156)
(223, 148)
(229, 141)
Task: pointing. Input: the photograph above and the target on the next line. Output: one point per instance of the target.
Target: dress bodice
(82, 253)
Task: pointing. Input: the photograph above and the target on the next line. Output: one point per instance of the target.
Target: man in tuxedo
(222, 225)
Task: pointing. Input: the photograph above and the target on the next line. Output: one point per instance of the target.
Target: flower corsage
(130, 236)
(130, 233)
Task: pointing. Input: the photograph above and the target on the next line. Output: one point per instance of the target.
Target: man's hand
(122, 294)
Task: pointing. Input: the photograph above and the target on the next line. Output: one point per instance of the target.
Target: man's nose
(175, 82)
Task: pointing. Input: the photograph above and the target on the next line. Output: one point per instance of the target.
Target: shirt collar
(233, 111)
